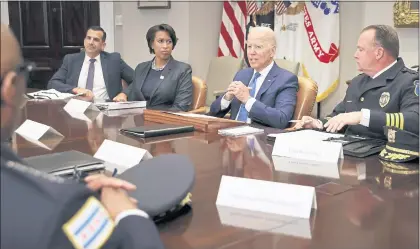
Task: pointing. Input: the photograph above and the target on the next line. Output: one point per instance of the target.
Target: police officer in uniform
(385, 94)
(43, 211)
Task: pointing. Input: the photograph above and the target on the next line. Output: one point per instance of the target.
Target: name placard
(268, 197)
(120, 156)
(81, 110)
(42, 135)
(307, 167)
(311, 150)
(265, 222)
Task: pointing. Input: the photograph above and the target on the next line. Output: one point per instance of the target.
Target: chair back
(199, 93)
(306, 97)
(221, 72)
(290, 66)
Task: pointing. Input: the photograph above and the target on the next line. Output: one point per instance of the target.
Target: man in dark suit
(54, 212)
(264, 93)
(93, 73)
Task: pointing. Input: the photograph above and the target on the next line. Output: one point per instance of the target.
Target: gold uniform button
(362, 99)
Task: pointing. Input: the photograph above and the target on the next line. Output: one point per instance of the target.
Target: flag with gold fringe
(308, 33)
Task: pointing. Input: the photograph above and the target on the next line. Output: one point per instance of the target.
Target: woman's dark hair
(151, 34)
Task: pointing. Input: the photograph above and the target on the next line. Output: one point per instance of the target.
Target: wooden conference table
(365, 207)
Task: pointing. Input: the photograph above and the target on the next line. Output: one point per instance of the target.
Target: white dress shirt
(248, 105)
(365, 120)
(130, 212)
(383, 70)
(99, 87)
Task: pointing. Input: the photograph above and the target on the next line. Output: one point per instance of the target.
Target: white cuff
(130, 212)
(224, 104)
(365, 120)
(249, 103)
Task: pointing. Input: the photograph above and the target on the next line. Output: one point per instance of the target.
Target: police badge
(416, 90)
(384, 99)
(391, 135)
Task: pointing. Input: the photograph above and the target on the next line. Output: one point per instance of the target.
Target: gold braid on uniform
(408, 152)
(393, 156)
(398, 168)
(395, 120)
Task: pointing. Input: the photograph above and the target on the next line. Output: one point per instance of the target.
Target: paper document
(120, 105)
(239, 131)
(51, 94)
(192, 115)
(306, 135)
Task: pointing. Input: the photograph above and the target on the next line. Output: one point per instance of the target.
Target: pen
(115, 172)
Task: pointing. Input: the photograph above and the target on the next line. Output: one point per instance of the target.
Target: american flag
(252, 7)
(282, 6)
(232, 29)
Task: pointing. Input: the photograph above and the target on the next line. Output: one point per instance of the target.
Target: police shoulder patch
(416, 89)
(90, 227)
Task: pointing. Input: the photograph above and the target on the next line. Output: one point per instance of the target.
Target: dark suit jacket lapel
(78, 66)
(268, 81)
(104, 64)
(143, 74)
(163, 77)
(382, 79)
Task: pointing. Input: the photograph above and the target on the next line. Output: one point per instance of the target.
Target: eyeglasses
(78, 175)
(43, 95)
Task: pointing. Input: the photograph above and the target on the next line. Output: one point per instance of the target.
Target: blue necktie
(243, 113)
(91, 73)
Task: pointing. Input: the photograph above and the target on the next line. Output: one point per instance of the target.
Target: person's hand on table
(308, 122)
(122, 97)
(338, 122)
(83, 91)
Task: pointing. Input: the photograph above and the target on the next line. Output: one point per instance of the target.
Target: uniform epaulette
(409, 70)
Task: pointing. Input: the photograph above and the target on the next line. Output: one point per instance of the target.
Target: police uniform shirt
(388, 99)
(43, 211)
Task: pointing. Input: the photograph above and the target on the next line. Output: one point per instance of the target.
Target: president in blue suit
(264, 93)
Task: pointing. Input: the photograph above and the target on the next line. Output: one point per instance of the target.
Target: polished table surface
(368, 208)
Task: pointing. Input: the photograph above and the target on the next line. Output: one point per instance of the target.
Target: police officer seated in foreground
(385, 94)
(44, 211)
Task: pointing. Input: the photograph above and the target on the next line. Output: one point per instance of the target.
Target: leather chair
(220, 74)
(199, 95)
(306, 98)
(290, 66)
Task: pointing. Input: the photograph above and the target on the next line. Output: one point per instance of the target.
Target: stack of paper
(305, 135)
(51, 94)
(239, 131)
(120, 105)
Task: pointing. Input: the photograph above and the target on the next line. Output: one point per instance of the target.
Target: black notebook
(157, 130)
(64, 163)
